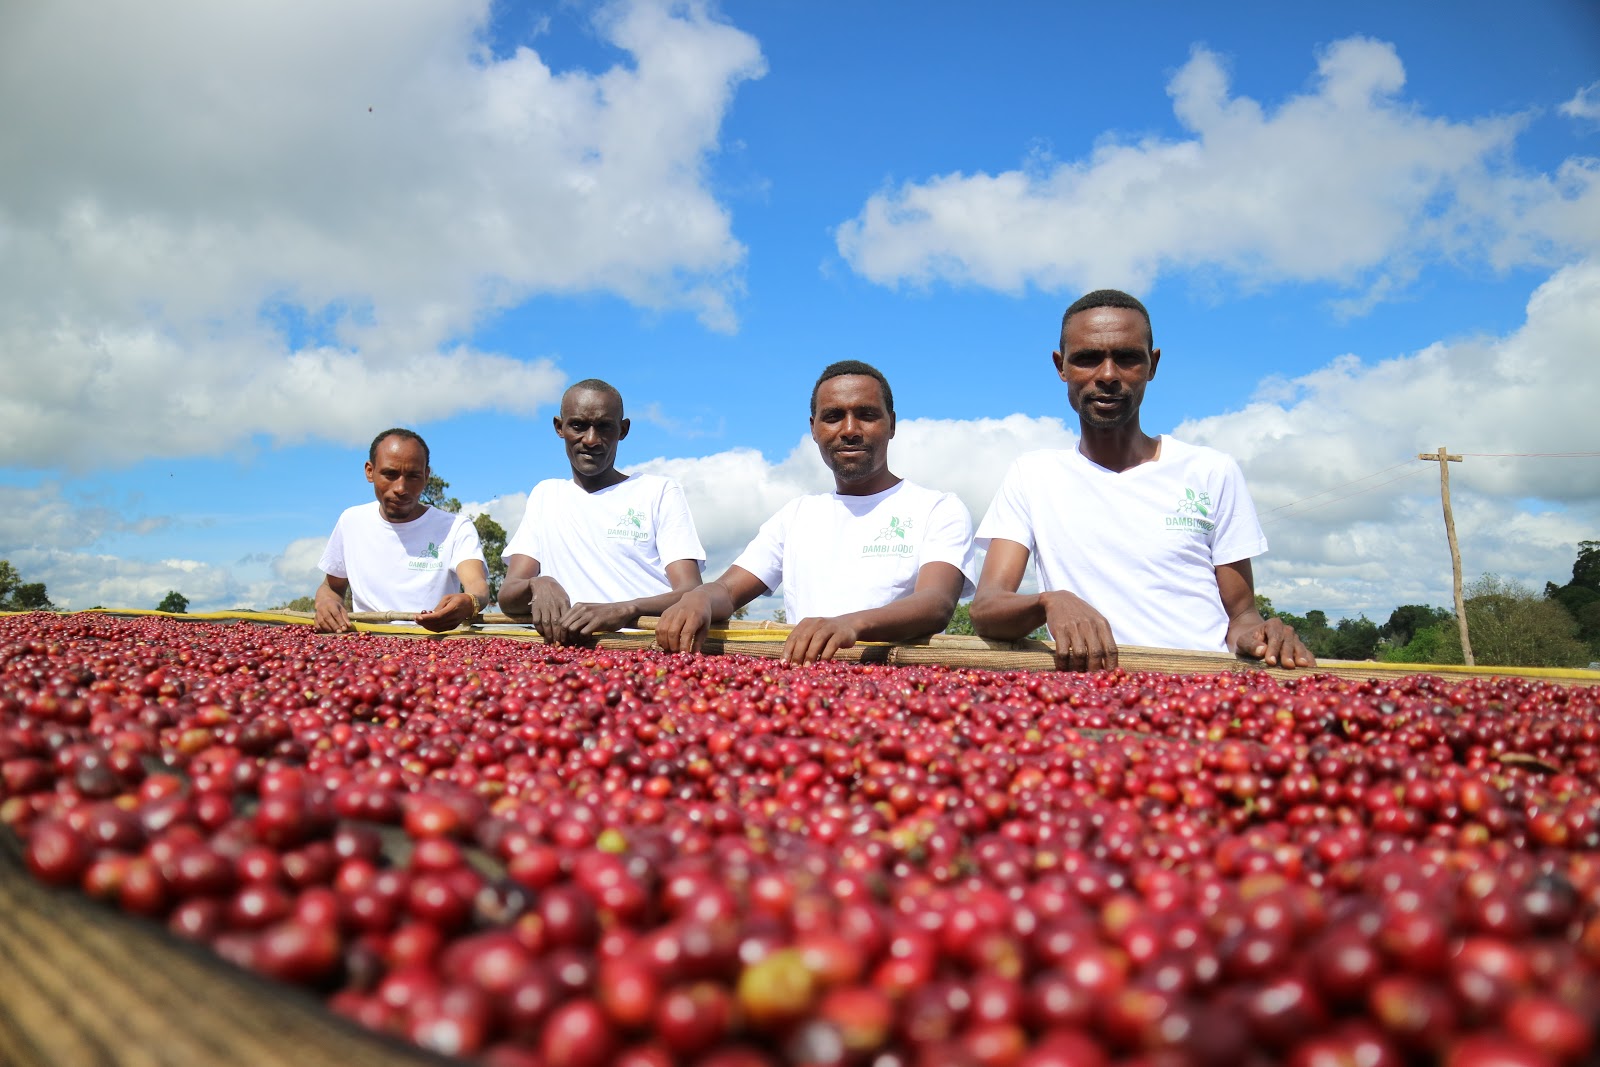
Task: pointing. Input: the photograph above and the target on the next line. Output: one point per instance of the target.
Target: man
(878, 559)
(1141, 540)
(397, 553)
(596, 551)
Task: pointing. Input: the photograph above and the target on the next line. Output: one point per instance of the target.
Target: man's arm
(329, 604)
(682, 574)
(925, 611)
(454, 609)
(683, 626)
(1248, 633)
(1082, 635)
(539, 596)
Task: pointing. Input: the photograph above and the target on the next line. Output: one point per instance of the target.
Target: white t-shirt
(610, 545)
(1142, 546)
(399, 566)
(836, 554)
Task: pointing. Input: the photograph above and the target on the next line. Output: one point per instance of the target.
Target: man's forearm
(1241, 626)
(1007, 616)
(907, 619)
(655, 605)
(516, 596)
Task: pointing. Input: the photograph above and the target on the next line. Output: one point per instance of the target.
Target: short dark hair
(404, 434)
(595, 385)
(1108, 298)
(853, 366)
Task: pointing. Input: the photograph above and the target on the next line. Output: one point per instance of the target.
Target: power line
(1532, 455)
(1341, 485)
(1347, 496)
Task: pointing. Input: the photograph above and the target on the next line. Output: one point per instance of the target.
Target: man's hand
(331, 618)
(817, 639)
(549, 609)
(684, 626)
(599, 618)
(1277, 644)
(452, 610)
(1082, 635)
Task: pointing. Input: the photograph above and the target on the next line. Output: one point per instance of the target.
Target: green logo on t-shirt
(891, 539)
(428, 561)
(628, 527)
(1193, 512)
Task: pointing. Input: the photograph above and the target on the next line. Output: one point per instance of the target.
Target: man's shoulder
(1193, 455)
(355, 513)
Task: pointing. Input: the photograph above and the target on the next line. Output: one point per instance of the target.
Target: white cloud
(40, 515)
(222, 221)
(1380, 542)
(1348, 183)
(1585, 103)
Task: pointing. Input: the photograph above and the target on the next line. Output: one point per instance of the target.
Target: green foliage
(1349, 639)
(174, 602)
(1424, 646)
(1408, 620)
(1586, 568)
(780, 617)
(299, 603)
(961, 621)
(434, 495)
(1511, 626)
(493, 536)
(1264, 606)
(740, 612)
(17, 595)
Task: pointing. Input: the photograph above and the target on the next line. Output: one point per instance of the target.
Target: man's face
(398, 473)
(590, 425)
(1106, 362)
(852, 428)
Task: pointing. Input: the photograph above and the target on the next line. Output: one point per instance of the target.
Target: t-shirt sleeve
(525, 542)
(763, 557)
(949, 539)
(1008, 516)
(1238, 533)
(465, 544)
(675, 533)
(332, 561)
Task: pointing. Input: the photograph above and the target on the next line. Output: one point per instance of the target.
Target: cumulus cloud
(1585, 103)
(282, 220)
(1354, 518)
(40, 515)
(1348, 183)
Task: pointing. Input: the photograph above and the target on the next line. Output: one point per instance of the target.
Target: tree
(1512, 626)
(780, 617)
(1581, 595)
(1264, 606)
(1408, 619)
(491, 533)
(740, 612)
(961, 621)
(434, 495)
(493, 536)
(174, 602)
(1354, 639)
(17, 595)
(299, 603)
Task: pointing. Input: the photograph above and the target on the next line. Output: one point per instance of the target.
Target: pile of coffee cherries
(573, 858)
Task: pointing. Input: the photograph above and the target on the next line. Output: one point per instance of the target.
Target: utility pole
(1444, 459)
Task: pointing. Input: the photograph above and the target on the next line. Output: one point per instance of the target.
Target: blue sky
(236, 241)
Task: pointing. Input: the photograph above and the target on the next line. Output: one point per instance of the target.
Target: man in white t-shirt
(878, 559)
(596, 551)
(1141, 540)
(399, 554)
